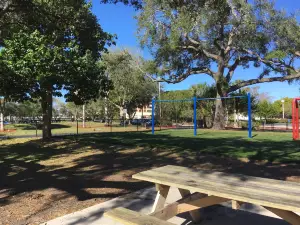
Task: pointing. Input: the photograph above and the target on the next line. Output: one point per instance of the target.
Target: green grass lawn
(268, 146)
(43, 180)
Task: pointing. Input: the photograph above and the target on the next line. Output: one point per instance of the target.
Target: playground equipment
(295, 121)
(194, 101)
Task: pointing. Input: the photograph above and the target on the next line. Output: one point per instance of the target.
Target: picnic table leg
(160, 200)
(288, 216)
(236, 204)
(195, 214)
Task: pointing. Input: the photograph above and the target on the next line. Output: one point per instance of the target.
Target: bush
(268, 121)
(255, 125)
(166, 123)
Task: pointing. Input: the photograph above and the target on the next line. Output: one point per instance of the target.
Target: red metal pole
(295, 119)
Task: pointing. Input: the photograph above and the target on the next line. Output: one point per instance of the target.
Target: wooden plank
(167, 212)
(260, 191)
(195, 214)
(161, 196)
(230, 177)
(190, 203)
(200, 203)
(234, 186)
(288, 216)
(129, 217)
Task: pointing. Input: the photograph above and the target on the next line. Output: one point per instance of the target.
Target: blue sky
(119, 19)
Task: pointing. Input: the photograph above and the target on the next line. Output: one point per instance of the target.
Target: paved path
(143, 200)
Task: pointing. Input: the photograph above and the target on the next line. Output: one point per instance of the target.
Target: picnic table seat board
(260, 191)
(129, 217)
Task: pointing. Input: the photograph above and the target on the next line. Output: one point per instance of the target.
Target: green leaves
(277, 54)
(267, 110)
(61, 50)
(132, 87)
(196, 37)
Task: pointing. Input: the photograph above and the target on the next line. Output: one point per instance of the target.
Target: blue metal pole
(195, 116)
(249, 117)
(153, 106)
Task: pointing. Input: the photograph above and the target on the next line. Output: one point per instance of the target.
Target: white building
(145, 112)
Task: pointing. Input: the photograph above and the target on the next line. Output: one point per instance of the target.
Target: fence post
(249, 117)
(195, 116)
(111, 124)
(36, 128)
(77, 126)
(153, 105)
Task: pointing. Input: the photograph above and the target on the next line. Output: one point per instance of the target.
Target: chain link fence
(33, 128)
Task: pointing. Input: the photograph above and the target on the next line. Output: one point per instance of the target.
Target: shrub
(255, 125)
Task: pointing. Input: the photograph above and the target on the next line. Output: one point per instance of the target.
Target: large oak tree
(216, 37)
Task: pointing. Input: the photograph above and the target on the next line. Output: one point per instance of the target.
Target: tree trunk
(1, 122)
(83, 116)
(235, 118)
(47, 113)
(121, 112)
(219, 118)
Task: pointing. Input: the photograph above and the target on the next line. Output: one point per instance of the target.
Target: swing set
(194, 100)
(295, 120)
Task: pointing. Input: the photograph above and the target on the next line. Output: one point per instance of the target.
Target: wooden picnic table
(202, 188)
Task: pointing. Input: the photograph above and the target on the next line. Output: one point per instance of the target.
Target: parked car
(138, 121)
(122, 122)
(6, 122)
(149, 122)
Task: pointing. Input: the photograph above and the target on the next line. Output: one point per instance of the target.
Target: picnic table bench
(201, 188)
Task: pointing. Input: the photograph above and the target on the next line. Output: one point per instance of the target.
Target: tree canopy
(59, 51)
(131, 87)
(215, 38)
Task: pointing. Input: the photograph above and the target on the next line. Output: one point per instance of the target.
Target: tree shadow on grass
(119, 155)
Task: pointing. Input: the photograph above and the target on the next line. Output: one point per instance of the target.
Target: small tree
(74, 110)
(131, 87)
(205, 108)
(266, 109)
(178, 110)
(95, 109)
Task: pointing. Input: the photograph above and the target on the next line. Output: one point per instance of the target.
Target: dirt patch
(41, 181)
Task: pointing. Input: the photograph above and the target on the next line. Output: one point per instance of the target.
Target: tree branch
(232, 68)
(263, 80)
(236, 63)
(173, 79)
(211, 55)
(205, 52)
